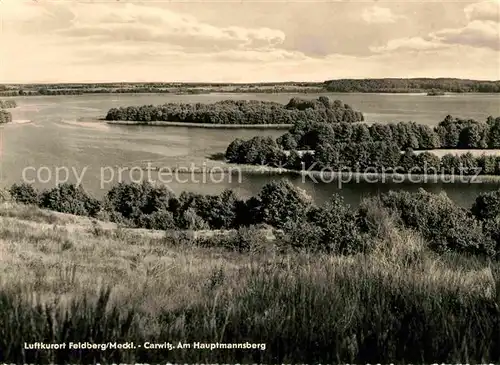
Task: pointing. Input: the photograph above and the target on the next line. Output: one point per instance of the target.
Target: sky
(246, 41)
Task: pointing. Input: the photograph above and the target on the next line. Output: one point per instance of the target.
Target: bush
(24, 193)
(219, 211)
(330, 228)
(302, 235)
(491, 229)
(245, 239)
(279, 202)
(191, 220)
(339, 232)
(487, 205)
(445, 225)
(133, 201)
(160, 220)
(68, 198)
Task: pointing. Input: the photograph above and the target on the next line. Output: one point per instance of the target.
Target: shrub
(219, 211)
(161, 220)
(68, 198)
(339, 232)
(487, 205)
(279, 202)
(445, 225)
(245, 239)
(191, 220)
(330, 228)
(133, 201)
(491, 229)
(24, 193)
(301, 235)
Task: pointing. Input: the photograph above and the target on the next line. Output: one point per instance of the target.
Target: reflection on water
(56, 137)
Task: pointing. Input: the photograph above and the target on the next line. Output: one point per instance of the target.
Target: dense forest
(450, 133)
(380, 156)
(357, 146)
(321, 110)
(411, 85)
(332, 227)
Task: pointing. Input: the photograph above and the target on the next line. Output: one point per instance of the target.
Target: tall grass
(338, 314)
(397, 303)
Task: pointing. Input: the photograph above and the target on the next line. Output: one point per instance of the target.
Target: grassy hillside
(398, 303)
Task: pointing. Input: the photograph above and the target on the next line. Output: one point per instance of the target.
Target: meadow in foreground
(67, 278)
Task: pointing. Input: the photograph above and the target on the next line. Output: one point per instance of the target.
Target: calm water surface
(56, 138)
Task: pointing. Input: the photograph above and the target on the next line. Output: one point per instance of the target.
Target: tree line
(394, 85)
(390, 85)
(451, 133)
(321, 110)
(136, 90)
(355, 145)
(159, 87)
(332, 227)
(377, 156)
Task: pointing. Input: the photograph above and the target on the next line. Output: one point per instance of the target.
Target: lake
(94, 151)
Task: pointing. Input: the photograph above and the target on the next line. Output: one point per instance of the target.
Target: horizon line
(242, 83)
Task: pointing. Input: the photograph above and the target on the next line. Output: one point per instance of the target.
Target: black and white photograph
(249, 181)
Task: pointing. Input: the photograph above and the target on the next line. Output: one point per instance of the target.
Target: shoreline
(198, 125)
(18, 122)
(330, 176)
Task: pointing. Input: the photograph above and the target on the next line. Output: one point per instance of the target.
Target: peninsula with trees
(379, 147)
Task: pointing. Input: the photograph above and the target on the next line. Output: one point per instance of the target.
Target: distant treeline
(181, 91)
(167, 88)
(45, 91)
(5, 117)
(332, 227)
(412, 85)
(389, 85)
(321, 110)
(156, 85)
(6, 104)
